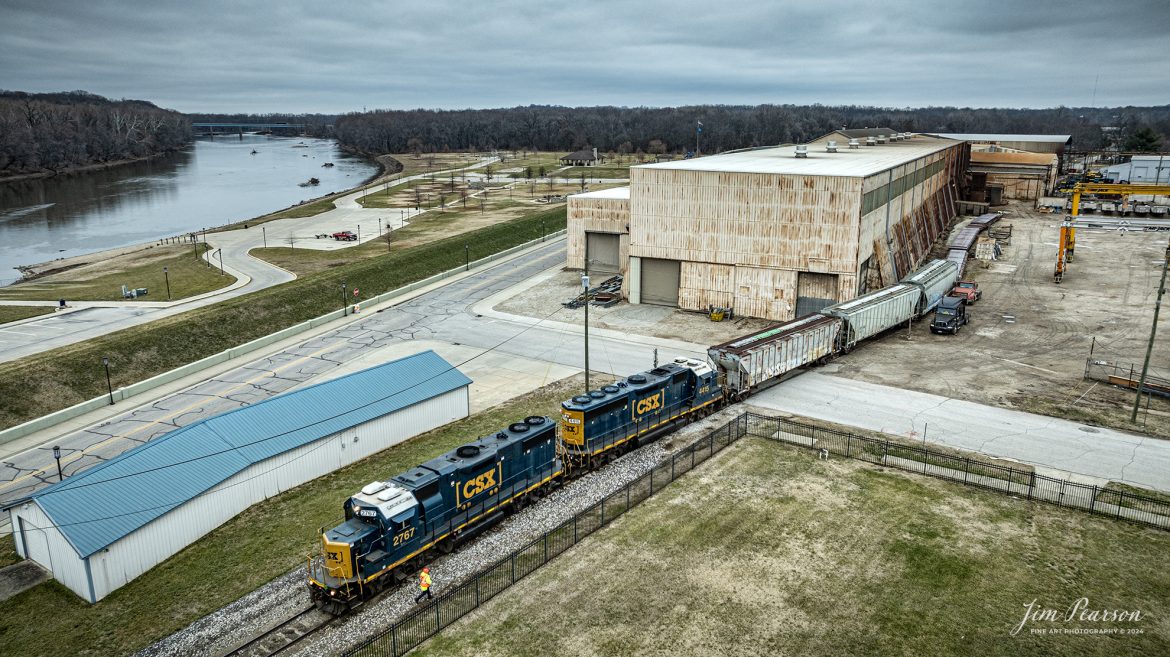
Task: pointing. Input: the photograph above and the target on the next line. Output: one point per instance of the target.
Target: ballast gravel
(221, 631)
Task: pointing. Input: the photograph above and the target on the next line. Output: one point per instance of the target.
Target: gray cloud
(303, 56)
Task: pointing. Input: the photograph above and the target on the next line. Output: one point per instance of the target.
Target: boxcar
(746, 363)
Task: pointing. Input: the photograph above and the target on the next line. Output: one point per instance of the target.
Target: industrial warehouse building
(105, 526)
(1022, 176)
(773, 232)
(1056, 144)
(1154, 169)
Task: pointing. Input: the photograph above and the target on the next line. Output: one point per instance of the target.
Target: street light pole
(264, 232)
(1137, 400)
(466, 257)
(359, 234)
(585, 285)
(57, 455)
(167, 276)
(219, 254)
(343, 298)
(109, 384)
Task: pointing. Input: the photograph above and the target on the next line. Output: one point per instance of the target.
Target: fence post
(1093, 503)
(672, 460)
(693, 456)
(1011, 476)
(394, 640)
(1120, 499)
(438, 622)
(513, 566)
(477, 576)
(849, 445)
(885, 451)
(651, 482)
(545, 561)
(628, 495)
(599, 524)
(1031, 484)
(575, 527)
(966, 468)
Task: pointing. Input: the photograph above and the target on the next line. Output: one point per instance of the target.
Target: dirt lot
(643, 319)
(766, 550)
(1029, 338)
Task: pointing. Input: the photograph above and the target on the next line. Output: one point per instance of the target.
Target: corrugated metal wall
(604, 253)
(48, 547)
(140, 551)
(599, 215)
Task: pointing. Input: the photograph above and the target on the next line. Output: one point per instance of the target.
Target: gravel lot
(218, 633)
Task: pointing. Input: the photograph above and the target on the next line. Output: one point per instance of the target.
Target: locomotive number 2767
(403, 537)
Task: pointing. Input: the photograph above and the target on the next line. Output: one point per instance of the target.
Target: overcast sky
(340, 56)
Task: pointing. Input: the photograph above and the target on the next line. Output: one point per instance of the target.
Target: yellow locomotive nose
(338, 558)
(572, 427)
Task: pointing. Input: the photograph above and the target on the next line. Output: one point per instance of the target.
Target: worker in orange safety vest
(424, 585)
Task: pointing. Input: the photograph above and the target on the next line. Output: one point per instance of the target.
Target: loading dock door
(814, 291)
(660, 282)
(603, 249)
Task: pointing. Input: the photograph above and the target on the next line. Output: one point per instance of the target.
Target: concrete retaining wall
(134, 389)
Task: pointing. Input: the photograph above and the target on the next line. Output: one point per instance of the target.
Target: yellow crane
(1068, 228)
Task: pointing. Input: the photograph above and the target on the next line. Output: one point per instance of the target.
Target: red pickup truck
(345, 236)
(968, 291)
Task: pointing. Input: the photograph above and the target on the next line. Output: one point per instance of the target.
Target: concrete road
(232, 248)
(1057, 447)
(535, 351)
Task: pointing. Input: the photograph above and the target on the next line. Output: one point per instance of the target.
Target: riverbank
(90, 168)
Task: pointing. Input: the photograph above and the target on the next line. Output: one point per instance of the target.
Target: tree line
(724, 127)
(57, 131)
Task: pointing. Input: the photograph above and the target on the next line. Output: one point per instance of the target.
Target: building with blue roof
(106, 525)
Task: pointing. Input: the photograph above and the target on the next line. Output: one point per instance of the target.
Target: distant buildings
(1140, 169)
(585, 157)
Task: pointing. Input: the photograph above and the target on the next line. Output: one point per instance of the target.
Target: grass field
(424, 229)
(46, 382)
(260, 544)
(102, 281)
(15, 313)
(603, 171)
(766, 550)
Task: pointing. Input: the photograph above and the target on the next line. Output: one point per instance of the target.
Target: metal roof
(849, 162)
(963, 136)
(98, 506)
(616, 193)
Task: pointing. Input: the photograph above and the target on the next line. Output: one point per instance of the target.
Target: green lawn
(15, 313)
(46, 382)
(767, 550)
(264, 542)
(103, 282)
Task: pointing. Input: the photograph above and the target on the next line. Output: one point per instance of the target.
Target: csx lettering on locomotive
(649, 404)
(477, 485)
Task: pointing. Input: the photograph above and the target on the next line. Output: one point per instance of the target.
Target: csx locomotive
(393, 527)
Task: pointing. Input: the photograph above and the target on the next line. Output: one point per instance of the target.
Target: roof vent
(534, 420)
(881, 139)
(467, 450)
(373, 487)
(870, 141)
(853, 143)
(681, 360)
(907, 135)
(613, 390)
(581, 399)
(388, 494)
(596, 394)
(802, 151)
(517, 427)
(637, 378)
(831, 147)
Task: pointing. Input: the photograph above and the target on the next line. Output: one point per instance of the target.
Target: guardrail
(126, 392)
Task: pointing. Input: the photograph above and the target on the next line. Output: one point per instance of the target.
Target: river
(214, 182)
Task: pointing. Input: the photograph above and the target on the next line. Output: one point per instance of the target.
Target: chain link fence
(421, 624)
(1024, 483)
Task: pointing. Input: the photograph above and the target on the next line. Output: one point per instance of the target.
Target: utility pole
(1137, 400)
(585, 284)
(167, 278)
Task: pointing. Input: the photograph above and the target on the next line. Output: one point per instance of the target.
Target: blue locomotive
(392, 527)
(606, 423)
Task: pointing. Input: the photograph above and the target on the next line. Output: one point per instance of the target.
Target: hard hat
(426, 570)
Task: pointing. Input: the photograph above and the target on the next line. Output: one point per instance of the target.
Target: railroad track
(285, 635)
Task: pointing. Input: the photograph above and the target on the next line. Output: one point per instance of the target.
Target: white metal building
(1154, 169)
(107, 525)
(1030, 143)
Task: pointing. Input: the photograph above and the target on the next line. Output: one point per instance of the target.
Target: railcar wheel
(596, 462)
(447, 545)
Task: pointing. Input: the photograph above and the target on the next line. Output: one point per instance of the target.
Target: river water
(214, 182)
